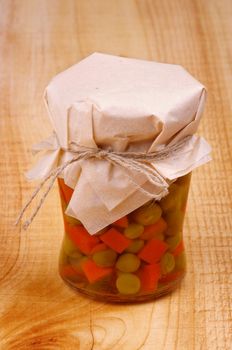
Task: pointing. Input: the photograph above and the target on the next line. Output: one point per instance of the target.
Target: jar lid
(125, 100)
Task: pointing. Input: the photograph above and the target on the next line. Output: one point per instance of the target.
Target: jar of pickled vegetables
(123, 148)
(138, 257)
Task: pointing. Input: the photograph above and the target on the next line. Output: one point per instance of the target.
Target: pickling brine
(139, 257)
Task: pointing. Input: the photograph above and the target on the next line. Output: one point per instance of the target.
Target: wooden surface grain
(40, 38)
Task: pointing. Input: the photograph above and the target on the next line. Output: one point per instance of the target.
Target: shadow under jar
(137, 258)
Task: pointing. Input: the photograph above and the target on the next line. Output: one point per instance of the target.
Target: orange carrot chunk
(149, 276)
(152, 230)
(66, 190)
(68, 272)
(98, 248)
(81, 238)
(153, 251)
(61, 190)
(94, 272)
(179, 249)
(123, 222)
(115, 240)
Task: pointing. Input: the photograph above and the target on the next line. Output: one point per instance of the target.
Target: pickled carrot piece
(98, 248)
(68, 271)
(122, 222)
(94, 272)
(153, 251)
(81, 238)
(61, 192)
(171, 277)
(179, 249)
(152, 230)
(115, 240)
(66, 190)
(149, 276)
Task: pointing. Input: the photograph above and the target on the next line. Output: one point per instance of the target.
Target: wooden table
(40, 38)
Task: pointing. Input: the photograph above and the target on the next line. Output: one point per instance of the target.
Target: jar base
(126, 299)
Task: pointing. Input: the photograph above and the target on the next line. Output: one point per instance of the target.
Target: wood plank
(38, 40)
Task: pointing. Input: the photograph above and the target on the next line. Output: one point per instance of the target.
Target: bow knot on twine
(100, 154)
(139, 162)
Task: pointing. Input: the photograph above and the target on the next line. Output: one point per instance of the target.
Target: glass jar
(137, 258)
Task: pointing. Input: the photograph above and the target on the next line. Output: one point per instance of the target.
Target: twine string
(139, 162)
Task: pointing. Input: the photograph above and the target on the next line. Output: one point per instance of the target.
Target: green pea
(167, 263)
(173, 241)
(105, 258)
(70, 249)
(135, 246)
(133, 231)
(148, 214)
(128, 262)
(172, 200)
(72, 221)
(63, 258)
(127, 283)
(181, 261)
(183, 183)
(174, 220)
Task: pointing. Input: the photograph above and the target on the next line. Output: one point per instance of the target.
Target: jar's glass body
(137, 258)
